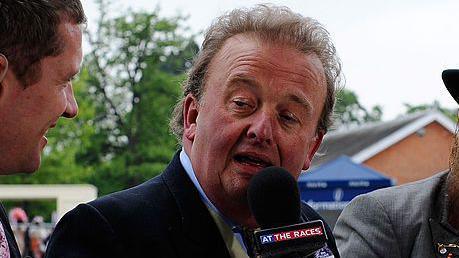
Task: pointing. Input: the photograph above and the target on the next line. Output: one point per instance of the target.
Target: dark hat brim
(451, 79)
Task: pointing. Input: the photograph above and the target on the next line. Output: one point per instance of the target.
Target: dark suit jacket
(163, 217)
(13, 246)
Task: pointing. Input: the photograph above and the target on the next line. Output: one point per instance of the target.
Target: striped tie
(4, 250)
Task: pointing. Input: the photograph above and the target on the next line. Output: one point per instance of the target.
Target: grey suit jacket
(392, 222)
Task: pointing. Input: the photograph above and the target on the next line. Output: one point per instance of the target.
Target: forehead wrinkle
(305, 74)
(302, 73)
(244, 60)
(235, 82)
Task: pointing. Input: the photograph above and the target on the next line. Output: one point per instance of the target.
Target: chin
(237, 192)
(31, 163)
(27, 168)
(30, 168)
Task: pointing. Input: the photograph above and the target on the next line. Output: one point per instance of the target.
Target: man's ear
(3, 71)
(190, 115)
(3, 67)
(315, 144)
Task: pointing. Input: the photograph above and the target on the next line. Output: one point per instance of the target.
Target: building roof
(363, 142)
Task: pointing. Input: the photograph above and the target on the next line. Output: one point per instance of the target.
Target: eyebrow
(238, 78)
(302, 101)
(252, 83)
(241, 80)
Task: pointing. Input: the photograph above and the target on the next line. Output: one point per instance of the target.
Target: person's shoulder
(397, 208)
(122, 217)
(134, 205)
(388, 220)
(410, 194)
(149, 194)
(149, 191)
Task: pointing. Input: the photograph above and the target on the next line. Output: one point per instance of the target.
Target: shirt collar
(186, 163)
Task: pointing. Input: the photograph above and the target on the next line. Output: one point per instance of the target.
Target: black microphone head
(274, 199)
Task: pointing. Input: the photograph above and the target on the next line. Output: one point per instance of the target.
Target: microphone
(274, 201)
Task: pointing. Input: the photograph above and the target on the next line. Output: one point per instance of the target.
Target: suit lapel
(198, 235)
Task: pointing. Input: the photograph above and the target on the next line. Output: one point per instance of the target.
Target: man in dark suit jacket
(163, 217)
(420, 219)
(260, 93)
(35, 83)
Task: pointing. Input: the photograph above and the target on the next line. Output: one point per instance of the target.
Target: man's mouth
(43, 142)
(252, 160)
(46, 132)
(50, 127)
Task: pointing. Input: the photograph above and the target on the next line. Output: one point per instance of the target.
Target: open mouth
(252, 161)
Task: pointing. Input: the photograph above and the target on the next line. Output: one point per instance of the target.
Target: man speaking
(260, 93)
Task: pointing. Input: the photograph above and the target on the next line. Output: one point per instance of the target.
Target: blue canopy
(339, 181)
(343, 172)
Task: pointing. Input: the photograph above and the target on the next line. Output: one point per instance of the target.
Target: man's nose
(71, 109)
(261, 129)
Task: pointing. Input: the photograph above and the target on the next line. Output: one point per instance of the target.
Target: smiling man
(40, 52)
(260, 93)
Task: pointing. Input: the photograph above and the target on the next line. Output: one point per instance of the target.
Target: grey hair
(270, 23)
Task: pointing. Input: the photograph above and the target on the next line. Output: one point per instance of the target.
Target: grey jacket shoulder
(391, 222)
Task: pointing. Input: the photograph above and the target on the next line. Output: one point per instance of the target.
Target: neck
(238, 213)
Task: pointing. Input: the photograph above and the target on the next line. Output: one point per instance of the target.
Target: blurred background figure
(37, 233)
(19, 222)
(30, 237)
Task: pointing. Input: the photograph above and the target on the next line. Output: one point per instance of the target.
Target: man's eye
(240, 103)
(289, 118)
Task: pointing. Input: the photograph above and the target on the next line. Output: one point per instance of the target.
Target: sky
(393, 52)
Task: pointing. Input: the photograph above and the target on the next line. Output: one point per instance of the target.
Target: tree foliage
(435, 105)
(134, 69)
(349, 111)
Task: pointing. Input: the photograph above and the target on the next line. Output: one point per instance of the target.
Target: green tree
(136, 64)
(349, 111)
(435, 105)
